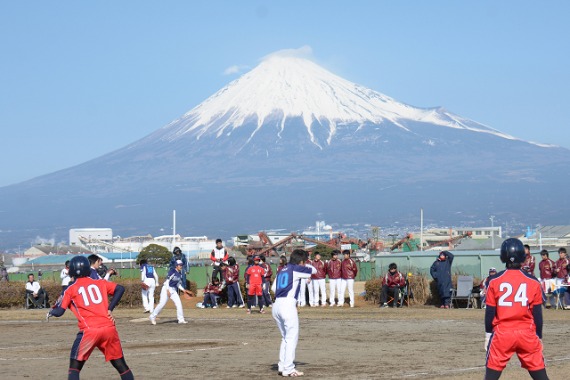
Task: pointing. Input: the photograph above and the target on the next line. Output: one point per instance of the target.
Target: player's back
(88, 300)
(514, 293)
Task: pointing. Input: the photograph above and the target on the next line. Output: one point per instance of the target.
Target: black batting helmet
(79, 267)
(512, 251)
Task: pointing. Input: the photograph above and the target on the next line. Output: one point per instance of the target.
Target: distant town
(365, 242)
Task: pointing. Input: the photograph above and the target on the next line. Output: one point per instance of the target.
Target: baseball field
(364, 342)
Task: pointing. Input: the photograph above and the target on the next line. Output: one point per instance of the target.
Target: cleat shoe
(214, 307)
(152, 320)
(183, 322)
(229, 307)
(249, 311)
(384, 305)
(241, 306)
(262, 310)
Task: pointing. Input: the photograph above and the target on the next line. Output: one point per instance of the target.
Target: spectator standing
(318, 282)
(40, 274)
(485, 284)
(529, 261)
(231, 278)
(392, 282)
(334, 273)
(349, 270)
(441, 272)
(64, 275)
(4, 275)
(149, 278)
(177, 255)
(218, 256)
(561, 266)
(266, 281)
(546, 267)
(282, 263)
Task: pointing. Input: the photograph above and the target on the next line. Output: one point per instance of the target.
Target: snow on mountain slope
(284, 87)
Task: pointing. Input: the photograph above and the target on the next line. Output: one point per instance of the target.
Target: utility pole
(492, 231)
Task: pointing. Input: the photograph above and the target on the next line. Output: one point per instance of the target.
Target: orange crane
(451, 242)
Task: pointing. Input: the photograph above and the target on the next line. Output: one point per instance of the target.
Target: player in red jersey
(513, 317)
(254, 282)
(88, 300)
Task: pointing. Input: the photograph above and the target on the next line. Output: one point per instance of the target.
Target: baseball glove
(144, 286)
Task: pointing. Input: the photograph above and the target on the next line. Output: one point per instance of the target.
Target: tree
(324, 251)
(156, 254)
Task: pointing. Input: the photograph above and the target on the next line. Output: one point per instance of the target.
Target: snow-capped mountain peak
(283, 87)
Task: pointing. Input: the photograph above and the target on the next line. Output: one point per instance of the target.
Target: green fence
(475, 263)
(198, 274)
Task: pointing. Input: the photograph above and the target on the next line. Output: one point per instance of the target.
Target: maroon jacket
(393, 280)
(231, 274)
(334, 269)
(321, 268)
(349, 269)
(560, 268)
(546, 268)
(529, 264)
(268, 271)
(211, 288)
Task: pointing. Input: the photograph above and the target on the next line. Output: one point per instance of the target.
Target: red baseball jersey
(88, 300)
(255, 275)
(514, 293)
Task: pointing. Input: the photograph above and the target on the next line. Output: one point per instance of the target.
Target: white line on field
(467, 369)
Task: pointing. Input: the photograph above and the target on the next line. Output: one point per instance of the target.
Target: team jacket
(219, 255)
(268, 271)
(334, 269)
(560, 268)
(211, 288)
(393, 280)
(321, 269)
(546, 268)
(529, 264)
(349, 269)
(231, 274)
(254, 275)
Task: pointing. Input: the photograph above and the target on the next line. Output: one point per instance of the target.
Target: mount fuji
(286, 142)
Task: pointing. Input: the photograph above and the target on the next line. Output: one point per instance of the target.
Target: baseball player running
(513, 317)
(284, 310)
(87, 299)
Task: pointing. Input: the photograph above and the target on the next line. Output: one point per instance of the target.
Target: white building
(99, 234)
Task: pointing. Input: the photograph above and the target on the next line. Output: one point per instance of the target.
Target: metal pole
(421, 229)
(492, 231)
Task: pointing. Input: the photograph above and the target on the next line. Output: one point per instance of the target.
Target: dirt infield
(335, 343)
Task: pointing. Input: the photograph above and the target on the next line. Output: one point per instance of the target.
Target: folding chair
(464, 291)
(558, 295)
(30, 301)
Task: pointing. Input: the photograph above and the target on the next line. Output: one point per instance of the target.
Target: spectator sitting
(391, 283)
(38, 295)
(211, 293)
(4, 275)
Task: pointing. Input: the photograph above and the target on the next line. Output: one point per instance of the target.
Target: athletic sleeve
(537, 314)
(490, 312)
(118, 293)
(304, 271)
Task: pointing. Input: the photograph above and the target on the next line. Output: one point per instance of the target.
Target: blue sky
(81, 79)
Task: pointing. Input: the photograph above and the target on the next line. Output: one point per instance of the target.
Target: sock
(539, 375)
(127, 375)
(73, 374)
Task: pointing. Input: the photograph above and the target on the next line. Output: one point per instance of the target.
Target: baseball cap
(256, 258)
(179, 262)
(492, 269)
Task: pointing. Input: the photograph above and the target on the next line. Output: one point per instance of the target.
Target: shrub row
(13, 294)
